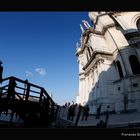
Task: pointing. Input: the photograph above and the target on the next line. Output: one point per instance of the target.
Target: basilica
(108, 55)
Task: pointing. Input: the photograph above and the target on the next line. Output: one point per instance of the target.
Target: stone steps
(62, 123)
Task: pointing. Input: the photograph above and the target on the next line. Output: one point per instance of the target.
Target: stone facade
(109, 61)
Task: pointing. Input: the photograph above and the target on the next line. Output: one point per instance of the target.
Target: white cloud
(41, 71)
(28, 73)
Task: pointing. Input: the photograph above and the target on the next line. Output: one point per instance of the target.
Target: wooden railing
(25, 91)
(13, 88)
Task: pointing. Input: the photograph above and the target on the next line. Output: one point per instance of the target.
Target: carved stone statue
(77, 45)
(86, 24)
(81, 27)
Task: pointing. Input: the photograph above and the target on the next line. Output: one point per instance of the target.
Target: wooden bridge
(31, 103)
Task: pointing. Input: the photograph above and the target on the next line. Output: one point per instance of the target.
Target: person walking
(98, 112)
(85, 112)
(107, 115)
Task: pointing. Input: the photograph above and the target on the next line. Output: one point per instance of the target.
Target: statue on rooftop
(82, 29)
(86, 24)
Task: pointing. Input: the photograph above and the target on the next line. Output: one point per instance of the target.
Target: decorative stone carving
(82, 29)
(86, 24)
(101, 68)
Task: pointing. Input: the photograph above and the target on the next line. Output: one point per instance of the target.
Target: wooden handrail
(19, 94)
(43, 92)
(23, 81)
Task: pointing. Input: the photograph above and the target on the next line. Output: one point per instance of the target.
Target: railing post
(27, 92)
(41, 95)
(25, 88)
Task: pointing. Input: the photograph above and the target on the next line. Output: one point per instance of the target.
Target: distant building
(109, 61)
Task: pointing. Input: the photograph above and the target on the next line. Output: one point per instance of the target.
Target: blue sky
(41, 47)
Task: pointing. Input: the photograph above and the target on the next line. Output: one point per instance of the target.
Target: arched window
(138, 24)
(119, 69)
(135, 65)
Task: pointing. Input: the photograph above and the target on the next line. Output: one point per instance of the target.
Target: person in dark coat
(1, 71)
(71, 112)
(85, 112)
(73, 107)
(101, 124)
(11, 89)
(98, 112)
(107, 114)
